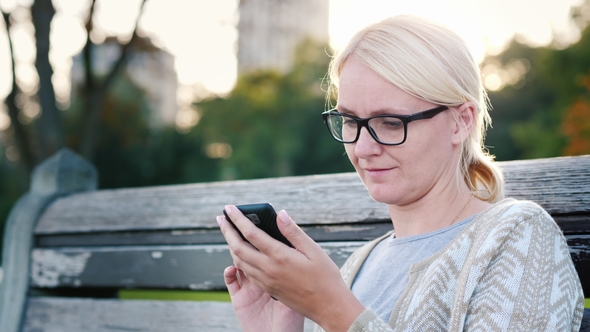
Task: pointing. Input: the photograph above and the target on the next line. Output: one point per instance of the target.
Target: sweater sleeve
(368, 321)
(529, 283)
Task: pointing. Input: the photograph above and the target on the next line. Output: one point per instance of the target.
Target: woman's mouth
(376, 172)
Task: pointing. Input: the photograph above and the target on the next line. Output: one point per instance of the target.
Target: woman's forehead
(362, 90)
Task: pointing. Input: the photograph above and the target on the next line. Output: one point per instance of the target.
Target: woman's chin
(385, 195)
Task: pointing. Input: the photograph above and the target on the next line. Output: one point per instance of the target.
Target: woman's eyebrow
(344, 110)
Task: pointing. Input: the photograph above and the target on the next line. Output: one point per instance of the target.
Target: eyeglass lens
(387, 129)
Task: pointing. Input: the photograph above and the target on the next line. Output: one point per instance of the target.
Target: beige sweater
(509, 270)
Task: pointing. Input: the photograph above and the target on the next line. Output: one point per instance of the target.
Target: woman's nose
(366, 145)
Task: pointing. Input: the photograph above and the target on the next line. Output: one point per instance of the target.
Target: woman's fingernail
(219, 220)
(228, 209)
(284, 217)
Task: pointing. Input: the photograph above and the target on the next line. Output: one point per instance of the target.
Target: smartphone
(262, 215)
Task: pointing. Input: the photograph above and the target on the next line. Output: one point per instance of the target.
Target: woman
(412, 113)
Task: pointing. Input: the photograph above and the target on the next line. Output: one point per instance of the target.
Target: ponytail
(481, 173)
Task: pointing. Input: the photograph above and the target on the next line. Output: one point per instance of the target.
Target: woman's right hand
(255, 309)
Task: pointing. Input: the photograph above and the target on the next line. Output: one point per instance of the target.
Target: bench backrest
(69, 248)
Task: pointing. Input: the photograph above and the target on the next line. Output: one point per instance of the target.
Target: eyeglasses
(386, 129)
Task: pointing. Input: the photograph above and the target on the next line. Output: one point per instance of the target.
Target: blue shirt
(385, 273)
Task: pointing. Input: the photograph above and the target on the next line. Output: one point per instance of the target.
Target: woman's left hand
(305, 278)
(254, 308)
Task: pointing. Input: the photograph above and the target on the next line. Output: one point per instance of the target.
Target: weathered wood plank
(585, 321)
(90, 315)
(560, 185)
(323, 233)
(579, 246)
(178, 267)
(184, 267)
(573, 224)
(320, 233)
(196, 205)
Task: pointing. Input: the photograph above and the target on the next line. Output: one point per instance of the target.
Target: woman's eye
(348, 122)
(393, 124)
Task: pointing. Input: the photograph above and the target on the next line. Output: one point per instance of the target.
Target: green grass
(173, 295)
(178, 295)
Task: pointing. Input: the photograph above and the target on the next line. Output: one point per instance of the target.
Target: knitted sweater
(509, 270)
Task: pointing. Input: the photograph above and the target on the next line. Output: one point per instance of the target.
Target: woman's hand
(255, 309)
(305, 279)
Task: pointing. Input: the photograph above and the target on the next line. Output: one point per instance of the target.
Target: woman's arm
(530, 284)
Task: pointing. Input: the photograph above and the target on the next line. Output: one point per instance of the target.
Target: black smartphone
(262, 215)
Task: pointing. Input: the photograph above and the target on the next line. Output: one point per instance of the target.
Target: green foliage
(131, 151)
(273, 124)
(528, 116)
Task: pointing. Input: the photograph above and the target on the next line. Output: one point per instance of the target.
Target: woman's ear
(464, 122)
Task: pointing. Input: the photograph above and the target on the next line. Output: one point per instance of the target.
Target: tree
(577, 125)
(45, 136)
(50, 134)
(94, 90)
(532, 113)
(36, 140)
(271, 123)
(129, 152)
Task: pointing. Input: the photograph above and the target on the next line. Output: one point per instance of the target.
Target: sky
(202, 34)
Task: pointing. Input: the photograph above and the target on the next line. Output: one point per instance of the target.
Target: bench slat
(579, 246)
(184, 267)
(585, 327)
(168, 267)
(46, 314)
(320, 233)
(560, 185)
(90, 315)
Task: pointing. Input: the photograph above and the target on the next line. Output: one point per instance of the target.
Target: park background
(156, 92)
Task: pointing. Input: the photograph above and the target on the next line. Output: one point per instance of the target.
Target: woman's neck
(435, 211)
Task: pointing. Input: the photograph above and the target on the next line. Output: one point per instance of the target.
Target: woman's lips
(377, 171)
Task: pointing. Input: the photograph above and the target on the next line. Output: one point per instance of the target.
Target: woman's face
(401, 174)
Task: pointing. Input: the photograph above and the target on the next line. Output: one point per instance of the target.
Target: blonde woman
(412, 113)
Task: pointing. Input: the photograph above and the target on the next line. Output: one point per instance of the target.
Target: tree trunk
(94, 102)
(95, 92)
(49, 124)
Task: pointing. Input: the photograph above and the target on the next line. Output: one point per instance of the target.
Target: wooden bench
(69, 248)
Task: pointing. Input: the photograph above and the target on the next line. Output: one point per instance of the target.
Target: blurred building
(148, 66)
(269, 30)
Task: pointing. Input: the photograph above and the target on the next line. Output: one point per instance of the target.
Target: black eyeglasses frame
(364, 122)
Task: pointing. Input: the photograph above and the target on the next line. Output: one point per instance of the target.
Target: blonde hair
(430, 62)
